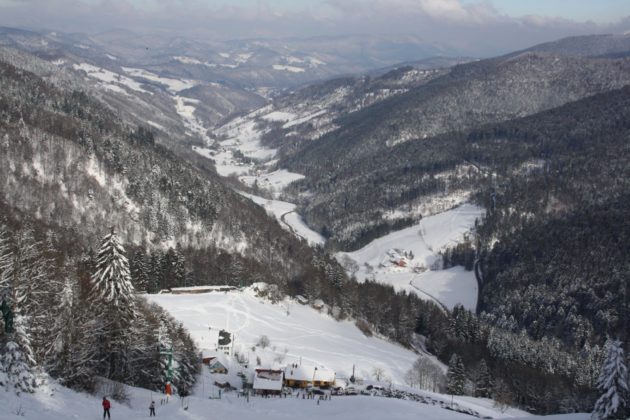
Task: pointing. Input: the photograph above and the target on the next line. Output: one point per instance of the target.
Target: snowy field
(173, 85)
(405, 258)
(304, 333)
(274, 181)
(109, 80)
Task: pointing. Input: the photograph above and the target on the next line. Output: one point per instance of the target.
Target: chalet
(298, 376)
(323, 378)
(268, 381)
(215, 361)
(216, 366)
(207, 355)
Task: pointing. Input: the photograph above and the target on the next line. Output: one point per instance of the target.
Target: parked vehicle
(351, 391)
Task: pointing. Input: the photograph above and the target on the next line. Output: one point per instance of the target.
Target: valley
(448, 236)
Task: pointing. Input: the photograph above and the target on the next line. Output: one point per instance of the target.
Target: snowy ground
(405, 258)
(185, 107)
(55, 402)
(297, 334)
(304, 333)
(61, 403)
(108, 79)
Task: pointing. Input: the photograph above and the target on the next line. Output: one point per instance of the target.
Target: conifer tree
(112, 279)
(113, 294)
(139, 271)
(456, 375)
(613, 383)
(17, 359)
(483, 383)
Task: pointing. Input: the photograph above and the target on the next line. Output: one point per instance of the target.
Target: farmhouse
(268, 381)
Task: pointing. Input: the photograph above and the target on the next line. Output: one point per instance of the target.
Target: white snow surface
(173, 85)
(291, 69)
(190, 60)
(53, 402)
(110, 79)
(279, 116)
(306, 334)
(298, 334)
(405, 258)
(185, 108)
(274, 181)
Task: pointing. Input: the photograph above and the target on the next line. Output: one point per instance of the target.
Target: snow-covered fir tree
(17, 360)
(113, 295)
(613, 383)
(112, 279)
(456, 375)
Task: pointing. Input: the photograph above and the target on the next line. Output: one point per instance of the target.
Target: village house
(216, 362)
(268, 382)
(323, 378)
(216, 366)
(298, 376)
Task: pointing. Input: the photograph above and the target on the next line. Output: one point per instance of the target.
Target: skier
(152, 409)
(106, 406)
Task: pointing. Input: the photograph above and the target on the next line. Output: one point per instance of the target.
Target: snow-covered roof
(268, 380)
(215, 356)
(298, 373)
(323, 375)
(308, 373)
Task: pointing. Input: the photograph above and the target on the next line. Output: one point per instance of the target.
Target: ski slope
(297, 334)
(408, 259)
(304, 334)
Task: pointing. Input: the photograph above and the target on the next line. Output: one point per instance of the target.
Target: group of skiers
(107, 406)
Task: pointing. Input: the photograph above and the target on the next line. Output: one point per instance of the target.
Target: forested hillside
(69, 163)
(555, 243)
(341, 165)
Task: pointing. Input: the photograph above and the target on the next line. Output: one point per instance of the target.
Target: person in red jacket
(106, 406)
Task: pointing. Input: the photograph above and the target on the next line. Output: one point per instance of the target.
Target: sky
(481, 27)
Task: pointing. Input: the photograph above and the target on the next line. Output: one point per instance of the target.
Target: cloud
(471, 27)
